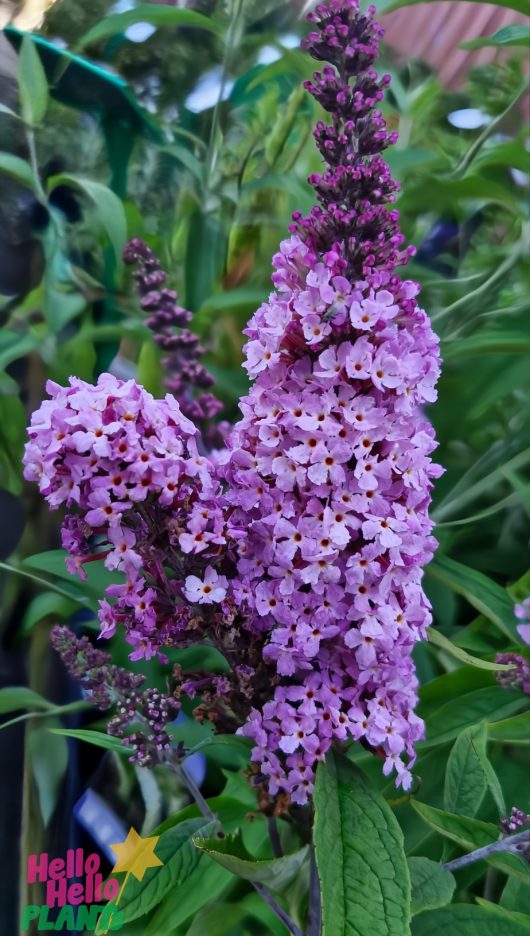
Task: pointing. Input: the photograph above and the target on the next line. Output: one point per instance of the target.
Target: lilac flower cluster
(109, 686)
(186, 378)
(147, 501)
(329, 472)
(298, 551)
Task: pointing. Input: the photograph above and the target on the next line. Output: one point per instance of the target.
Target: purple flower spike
(329, 473)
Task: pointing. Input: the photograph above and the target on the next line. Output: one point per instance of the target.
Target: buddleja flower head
(329, 471)
(145, 499)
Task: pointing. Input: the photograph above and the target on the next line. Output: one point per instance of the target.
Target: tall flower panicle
(329, 473)
(185, 377)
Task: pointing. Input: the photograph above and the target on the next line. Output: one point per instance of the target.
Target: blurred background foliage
(190, 129)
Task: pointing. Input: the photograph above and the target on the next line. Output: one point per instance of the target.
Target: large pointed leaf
(514, 35)
(32, 83)
(179, 860)
(230, 852)
(465, 778)
(364, 876)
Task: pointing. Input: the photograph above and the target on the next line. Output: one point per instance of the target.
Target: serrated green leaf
(157, 14)
(364, 876)
(179, 858)
(432, 885)
(97, 738)
(13, 698)
(231, 853)
(469, 920)
(32, 82)
(465, 778)
(206, 883)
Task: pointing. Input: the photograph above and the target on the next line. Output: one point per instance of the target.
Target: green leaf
(231, 853)
(487, 342)
(489, 703)
(14, 345)
(432, 885)
(481, 592)
(49, 760)
(470, 834)
(439, 640)
(465, 779)
(7, 110)
(97, 738)
(46, 604)
(14, 698)
(180, 858)
(230, 812)
(32, 82)
(157, 14)
(364, 877)
(110, 212)
(469, 920)
(19, 170)
(205, 884)
(149, 372)
(514, 730)
(514, 35)
(52, 562)
(217, 920)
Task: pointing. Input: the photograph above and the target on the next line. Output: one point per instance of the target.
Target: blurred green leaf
(97, 738)
(46, 604)
(49, 760)
(204, 885)
(520, 5)
(13, 698)
(514, 35)
(19, 170)
(110, 213)
(157, 14)
(32, 82)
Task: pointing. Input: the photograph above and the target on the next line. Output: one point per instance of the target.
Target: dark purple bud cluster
(354, 190)
(516, 820)
(516, 678)
(109, 686)
(186, 378)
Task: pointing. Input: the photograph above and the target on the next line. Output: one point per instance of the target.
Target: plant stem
(314, 915)
(274, 836)
(196, 794)
(513, 843)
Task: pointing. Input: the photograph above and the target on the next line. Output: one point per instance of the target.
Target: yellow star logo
(136, 854)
